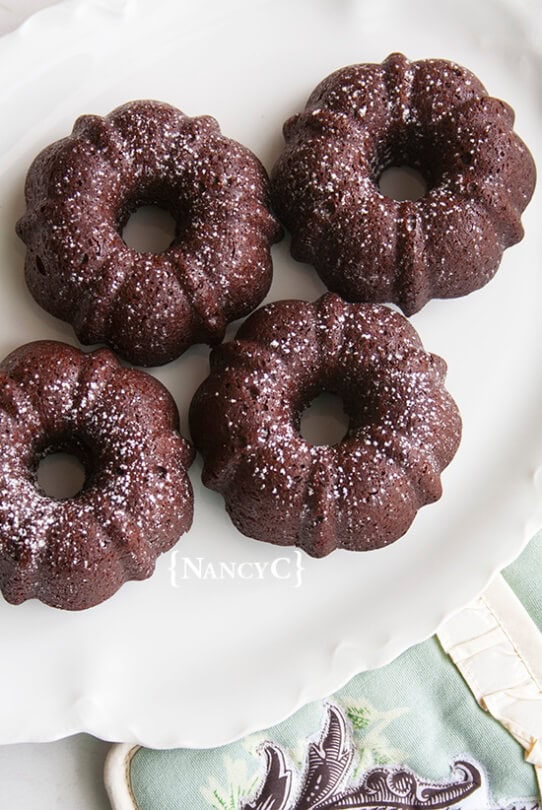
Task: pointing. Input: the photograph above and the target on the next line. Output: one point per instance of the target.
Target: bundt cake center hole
(61, 475)
(150, 229)
(402, 183)
(324, 421)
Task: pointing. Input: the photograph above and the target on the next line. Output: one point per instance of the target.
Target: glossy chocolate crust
(359, 494)
(136, 501)
(434, 116)
(81, 191)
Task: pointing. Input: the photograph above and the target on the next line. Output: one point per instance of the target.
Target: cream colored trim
(498, 649)
(117, 776)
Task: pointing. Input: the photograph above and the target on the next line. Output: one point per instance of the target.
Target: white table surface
(67, 773)
(64, 774)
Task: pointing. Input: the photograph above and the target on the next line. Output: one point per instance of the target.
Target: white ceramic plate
(206, 662)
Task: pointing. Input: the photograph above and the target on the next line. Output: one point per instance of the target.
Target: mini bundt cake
(137, 499)
(359, 494)
(81, 191)
(431, 115)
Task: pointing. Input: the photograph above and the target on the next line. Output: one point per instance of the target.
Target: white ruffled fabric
(498, 649)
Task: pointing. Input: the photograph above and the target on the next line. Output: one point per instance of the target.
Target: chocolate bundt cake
(431, 115)
(359, 494)
(136, 501)
(81, 191)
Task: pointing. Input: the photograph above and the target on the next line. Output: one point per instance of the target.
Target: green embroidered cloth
(410, 720)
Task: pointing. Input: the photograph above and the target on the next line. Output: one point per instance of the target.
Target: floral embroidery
(238, 785)
(327, 782)
(347, 768)
(368, 727)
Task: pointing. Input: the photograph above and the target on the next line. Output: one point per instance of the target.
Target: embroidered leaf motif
(275, 791)
(328, 763)
(359, 716)
(369, 726)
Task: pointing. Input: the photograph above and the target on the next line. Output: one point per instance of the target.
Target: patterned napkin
(409, 735)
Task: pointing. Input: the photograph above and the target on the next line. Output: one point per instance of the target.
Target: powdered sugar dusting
(361, 493)
(150, 307)
(432, 115)
(137, 499)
